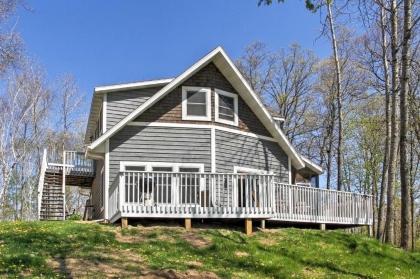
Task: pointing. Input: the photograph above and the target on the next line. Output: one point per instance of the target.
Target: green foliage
(310, 5)
(75, 217)
(26, 249)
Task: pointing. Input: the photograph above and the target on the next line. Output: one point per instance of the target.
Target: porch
(139, 194)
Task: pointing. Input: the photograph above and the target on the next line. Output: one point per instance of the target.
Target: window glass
(135, 168)
(226, 108)
(162, 169)
(196, 103)
(189, 170)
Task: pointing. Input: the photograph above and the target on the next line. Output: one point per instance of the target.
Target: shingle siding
(169, 108)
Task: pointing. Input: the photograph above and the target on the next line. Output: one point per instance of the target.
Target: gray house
(201, 145)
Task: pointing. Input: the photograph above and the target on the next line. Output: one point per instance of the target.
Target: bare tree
(389, 224)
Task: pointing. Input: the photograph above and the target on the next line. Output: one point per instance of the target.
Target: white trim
(278, 118)
(155, 98)
(200, 126)
(132, 85)
(218, 56)
(290, 169)
(288, 146)
(104, 112)
(149, 165)
(235, 107)
(312, 166)
(106, 205)
(205, 90)
(213, 149)
(237, 169)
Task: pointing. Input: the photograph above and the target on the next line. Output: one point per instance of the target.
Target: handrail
(232, 195)
(41, 180)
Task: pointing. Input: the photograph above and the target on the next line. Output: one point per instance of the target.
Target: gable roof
(232, 74)
(96, 104)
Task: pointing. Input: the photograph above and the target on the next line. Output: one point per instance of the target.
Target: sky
(109, 42)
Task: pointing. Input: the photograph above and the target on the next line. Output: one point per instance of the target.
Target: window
(226, 107)
(196, 104)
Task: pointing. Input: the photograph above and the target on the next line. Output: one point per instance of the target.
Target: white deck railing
(313, 205)
(72, 161)
(218, 195)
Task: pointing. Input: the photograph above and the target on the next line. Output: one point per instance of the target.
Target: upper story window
(226, 107)
(196, 103)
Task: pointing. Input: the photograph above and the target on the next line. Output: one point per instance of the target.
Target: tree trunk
(405, 187)
(339, 105)
(389, 224)
(379, 232)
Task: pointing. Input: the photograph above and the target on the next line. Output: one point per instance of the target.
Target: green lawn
(60, 249)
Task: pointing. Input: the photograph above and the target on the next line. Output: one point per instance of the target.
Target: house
(201, 145)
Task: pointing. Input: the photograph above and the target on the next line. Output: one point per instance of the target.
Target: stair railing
(41, 181)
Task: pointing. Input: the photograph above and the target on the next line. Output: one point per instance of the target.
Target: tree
(389, 224)
(315, 6)
(405, 187)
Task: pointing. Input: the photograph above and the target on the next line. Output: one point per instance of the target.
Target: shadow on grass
(28, 245)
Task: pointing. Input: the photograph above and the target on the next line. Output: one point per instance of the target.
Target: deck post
(248, 226)
(263, 224)
(187, 224)
(124, 222)
(322, 227)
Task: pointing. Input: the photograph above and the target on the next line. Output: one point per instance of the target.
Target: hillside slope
(72, 249)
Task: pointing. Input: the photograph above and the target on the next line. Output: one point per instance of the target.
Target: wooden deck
(243, 196)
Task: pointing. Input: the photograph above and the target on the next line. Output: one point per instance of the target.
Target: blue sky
(106, 42)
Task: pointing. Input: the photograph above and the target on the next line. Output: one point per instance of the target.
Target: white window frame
(237, 169)
(149, 165)
(235, 121)
(205, 90)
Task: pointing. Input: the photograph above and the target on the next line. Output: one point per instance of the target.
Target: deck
(217, 195)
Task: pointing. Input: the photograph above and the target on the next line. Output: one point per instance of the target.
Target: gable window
(196, 103)
(226, 107)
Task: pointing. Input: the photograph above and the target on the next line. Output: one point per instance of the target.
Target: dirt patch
(122, 264)
(268, 241)
(196, 240)
(241, 254)
(128, 238)
(172, 274)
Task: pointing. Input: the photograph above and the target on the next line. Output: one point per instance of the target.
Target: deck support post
(248, 226)
(370, 230)
(322, 227)
(187, 224)
(263, 224)
(124, 222)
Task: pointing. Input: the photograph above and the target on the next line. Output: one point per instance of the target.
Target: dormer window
(226, 107)
(196, 103)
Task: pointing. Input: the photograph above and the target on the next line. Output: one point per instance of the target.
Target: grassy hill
(73, 249)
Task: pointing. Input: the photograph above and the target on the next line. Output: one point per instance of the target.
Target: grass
(74, 249)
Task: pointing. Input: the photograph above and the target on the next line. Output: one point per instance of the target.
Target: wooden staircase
(52, 202)
(78, 172)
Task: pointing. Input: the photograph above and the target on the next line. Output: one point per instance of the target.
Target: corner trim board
(106, 186)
